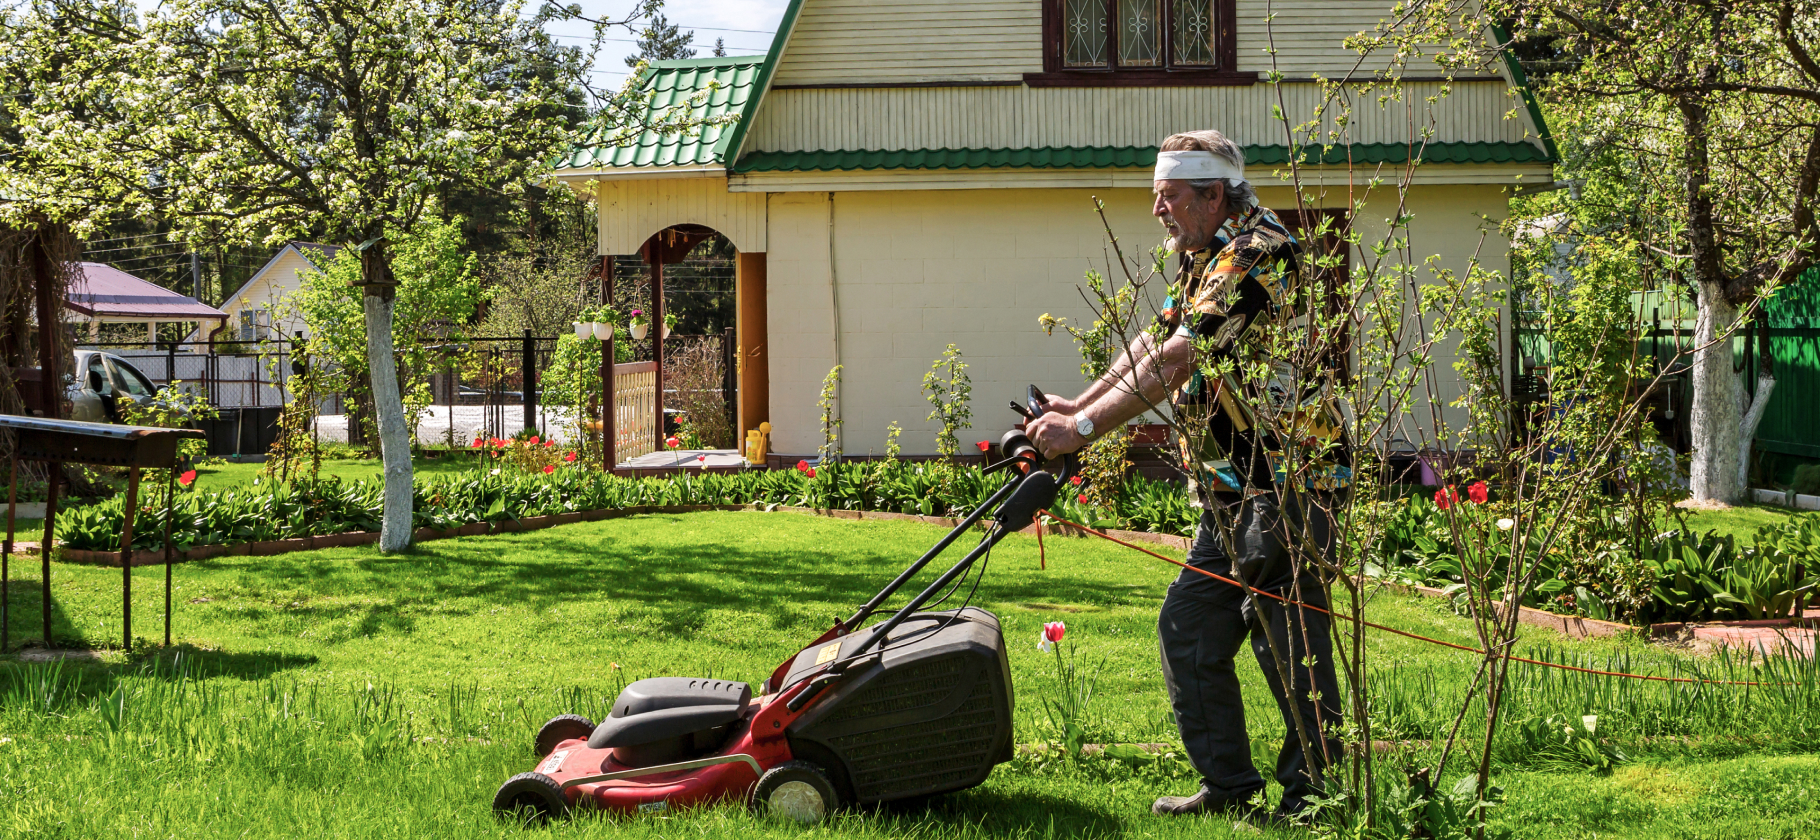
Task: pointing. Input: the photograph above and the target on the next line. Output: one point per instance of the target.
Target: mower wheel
(795, 790)
(561, 728)
(531, 797)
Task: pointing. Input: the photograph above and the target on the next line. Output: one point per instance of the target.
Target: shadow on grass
(672, 581)
(25, 614)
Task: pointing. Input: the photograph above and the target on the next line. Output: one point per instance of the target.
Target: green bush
(274, 510)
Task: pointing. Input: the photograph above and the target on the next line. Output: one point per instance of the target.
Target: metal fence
(487, 386)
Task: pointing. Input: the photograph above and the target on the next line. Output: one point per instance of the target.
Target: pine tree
(661, 41)
(720, 48)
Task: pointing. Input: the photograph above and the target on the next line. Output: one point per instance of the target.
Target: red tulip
(1053, 631)
(533, 440)
(187, 478)
(1446, 497)
(1082, 498)
(478, 442)
(811, 472)
(1478, 493)
(985, 445)
(702, 458)
(549, 468)
(1076, 481)
(673, 443)
(569, 457)
(802, 466)
(548, 443)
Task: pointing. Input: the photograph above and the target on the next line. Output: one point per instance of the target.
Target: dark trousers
(1204, 622)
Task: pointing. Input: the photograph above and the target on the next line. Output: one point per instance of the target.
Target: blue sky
(745, 24)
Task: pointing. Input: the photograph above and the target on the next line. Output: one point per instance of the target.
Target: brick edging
(1580, 627)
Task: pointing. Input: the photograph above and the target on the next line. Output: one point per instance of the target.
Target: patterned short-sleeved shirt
(1247, 277)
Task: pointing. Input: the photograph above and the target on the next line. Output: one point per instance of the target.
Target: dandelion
(187, 478)
(1478, 493)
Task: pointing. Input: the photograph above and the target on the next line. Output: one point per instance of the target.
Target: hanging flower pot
(583, 328)
(639, 330)
(639, 324)
(666, 331)
(603, 330)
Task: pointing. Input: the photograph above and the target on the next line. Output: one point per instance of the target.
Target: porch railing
(635, 429)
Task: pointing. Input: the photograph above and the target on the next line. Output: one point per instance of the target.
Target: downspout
(834, 323)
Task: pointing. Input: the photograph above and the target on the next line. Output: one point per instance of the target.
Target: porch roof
(725, 83)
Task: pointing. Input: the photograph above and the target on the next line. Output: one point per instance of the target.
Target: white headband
(1195, 166)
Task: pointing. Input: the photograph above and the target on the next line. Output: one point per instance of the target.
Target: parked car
(101, 381)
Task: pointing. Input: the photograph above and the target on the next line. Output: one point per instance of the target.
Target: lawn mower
(914, 705)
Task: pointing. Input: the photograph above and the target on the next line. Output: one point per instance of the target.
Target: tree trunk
(1718, 404)
(394, 442)
(1766, 385)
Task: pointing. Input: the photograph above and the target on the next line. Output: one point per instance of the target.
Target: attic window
(1100, 43)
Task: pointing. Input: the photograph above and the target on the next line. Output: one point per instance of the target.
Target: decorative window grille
(1084, 33)
(1193, 33)
(1146, 36)
(1140, 33)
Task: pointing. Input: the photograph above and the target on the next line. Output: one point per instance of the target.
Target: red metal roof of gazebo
(107, 292)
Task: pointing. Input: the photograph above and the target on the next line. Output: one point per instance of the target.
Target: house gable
(937, 83)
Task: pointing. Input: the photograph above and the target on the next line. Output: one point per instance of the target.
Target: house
(252, 308)
(102, 294)
(898, 178)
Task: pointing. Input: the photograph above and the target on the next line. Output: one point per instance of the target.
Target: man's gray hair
(1238, 191)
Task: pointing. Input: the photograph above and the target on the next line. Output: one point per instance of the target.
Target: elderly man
(1263, 519)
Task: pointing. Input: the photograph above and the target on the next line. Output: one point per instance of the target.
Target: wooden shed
(900, 178)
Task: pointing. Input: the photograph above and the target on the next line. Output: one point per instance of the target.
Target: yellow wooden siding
(863, 41)
(1332, 179)
(1020, 117)
(844, 42)
(633, 209)
(914, 271)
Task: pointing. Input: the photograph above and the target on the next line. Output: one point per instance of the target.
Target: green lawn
(342, 693)
(221, 474)
(1740, 522)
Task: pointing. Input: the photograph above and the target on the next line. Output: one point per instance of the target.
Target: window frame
(1222, 73)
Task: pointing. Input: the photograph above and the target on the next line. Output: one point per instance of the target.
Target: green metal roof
(1123, 157)
(665, 84)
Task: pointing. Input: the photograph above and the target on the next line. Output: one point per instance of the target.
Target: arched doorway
(708, 378)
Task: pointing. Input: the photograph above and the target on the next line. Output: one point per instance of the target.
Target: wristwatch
(1083, 425)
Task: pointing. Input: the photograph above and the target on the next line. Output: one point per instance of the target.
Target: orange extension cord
(1255, 592)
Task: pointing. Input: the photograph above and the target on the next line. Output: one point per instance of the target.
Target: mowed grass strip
(343, 693)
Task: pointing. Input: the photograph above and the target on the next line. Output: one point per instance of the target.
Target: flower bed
(498, 499)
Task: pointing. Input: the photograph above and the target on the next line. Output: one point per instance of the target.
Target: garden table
(57, 442)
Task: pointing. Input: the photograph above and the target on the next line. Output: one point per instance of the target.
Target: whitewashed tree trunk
(1718, 404)
(1766, 385)
(394, 443)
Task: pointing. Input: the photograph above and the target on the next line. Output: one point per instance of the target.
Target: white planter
(582, 328)
(603, 330)
(639, 330)
(666, 331)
